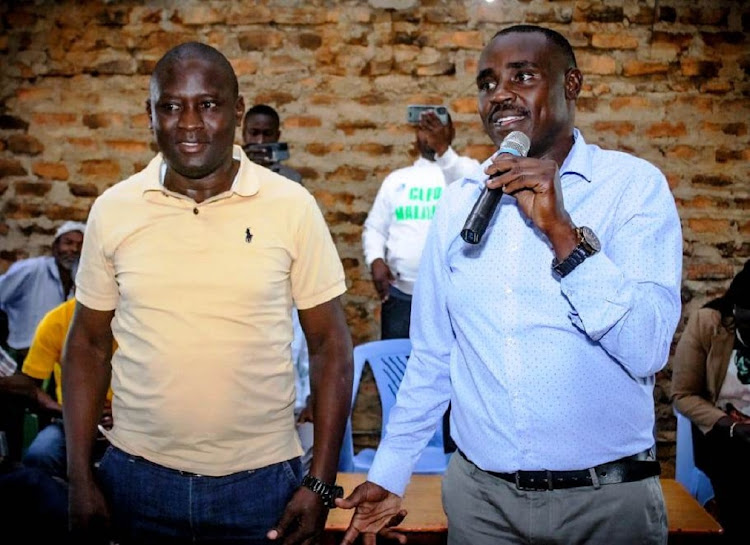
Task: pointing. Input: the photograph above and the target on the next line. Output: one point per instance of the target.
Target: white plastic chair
(686, 473)
(387, 359)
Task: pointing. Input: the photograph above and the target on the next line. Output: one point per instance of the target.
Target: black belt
(624, 470)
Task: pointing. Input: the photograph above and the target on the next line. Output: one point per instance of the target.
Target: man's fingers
(352, 500)
(393, 534)
(351, 534)
(397, 519)
(282, 527)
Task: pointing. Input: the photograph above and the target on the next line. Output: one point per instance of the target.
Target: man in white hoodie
(396, 227)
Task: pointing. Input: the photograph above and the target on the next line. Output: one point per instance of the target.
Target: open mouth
(191, 147)
(505, 120)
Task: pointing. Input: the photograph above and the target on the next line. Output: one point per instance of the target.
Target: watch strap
(328, 492)
(584, 249)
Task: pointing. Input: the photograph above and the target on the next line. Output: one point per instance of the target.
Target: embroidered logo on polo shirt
(248, 235)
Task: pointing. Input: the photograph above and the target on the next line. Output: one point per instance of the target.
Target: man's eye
(524, 76)
(486, 86)
(208, 104)
(170, 107)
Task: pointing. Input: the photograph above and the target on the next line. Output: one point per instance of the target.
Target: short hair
(190, 50)
(263, 109)
(552, 36)
(738, 294)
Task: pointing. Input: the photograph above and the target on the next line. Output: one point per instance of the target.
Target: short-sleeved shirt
(202, 294)
(46, 349)
(28, 290)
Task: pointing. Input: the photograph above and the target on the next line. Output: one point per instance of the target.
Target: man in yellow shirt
(47, 451)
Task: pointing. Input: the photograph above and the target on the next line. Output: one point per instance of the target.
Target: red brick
(666, 129)
(32, 188)
(708, 225)
(320, 149)
(596, 64)
(49, 118)
(277, 98)
(128, 146)
(464, 105)
(681, 152)
(710, 271)
(374, 149)
(350, 127)
(614, 41)
(347, 173)
(302, 121)
(24, 144)
(100, 168)
(631, 103)
(644, 68)
(83, 189)
(260, 40)
(11, 167)
(53, 171)
(620, 128)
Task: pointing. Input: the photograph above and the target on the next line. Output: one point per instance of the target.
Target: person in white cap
(32, 287)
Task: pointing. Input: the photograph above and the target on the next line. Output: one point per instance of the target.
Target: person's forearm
(85, 379)
(20, 385)
(331, 384)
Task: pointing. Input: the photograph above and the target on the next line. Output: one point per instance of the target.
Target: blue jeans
(153, 504)
(395, 315)
(47, 450)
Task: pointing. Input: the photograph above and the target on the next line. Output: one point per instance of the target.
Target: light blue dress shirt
(28, 290)
(542, 372)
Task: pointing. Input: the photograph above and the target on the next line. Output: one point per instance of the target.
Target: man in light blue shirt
(545, 337)
(32, 287)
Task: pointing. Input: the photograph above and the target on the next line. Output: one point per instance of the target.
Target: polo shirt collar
(246, 182)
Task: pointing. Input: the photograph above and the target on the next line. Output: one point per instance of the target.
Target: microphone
(516, 143)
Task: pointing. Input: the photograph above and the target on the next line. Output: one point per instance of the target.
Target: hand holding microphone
(516, 143)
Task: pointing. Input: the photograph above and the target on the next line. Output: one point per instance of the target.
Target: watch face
(590, 239)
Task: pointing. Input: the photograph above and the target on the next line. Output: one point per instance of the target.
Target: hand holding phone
(414, 113)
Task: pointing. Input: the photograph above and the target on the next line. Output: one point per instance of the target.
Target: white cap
(69, 226)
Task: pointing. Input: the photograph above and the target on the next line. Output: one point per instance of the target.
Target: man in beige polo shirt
(193, 265)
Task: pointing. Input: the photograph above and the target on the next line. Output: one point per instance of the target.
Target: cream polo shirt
(203, 379)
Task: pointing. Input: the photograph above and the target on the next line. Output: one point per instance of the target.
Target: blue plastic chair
(387, 359)
(686, 473)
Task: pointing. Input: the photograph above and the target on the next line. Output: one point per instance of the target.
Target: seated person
(47, 451)
(711, 386)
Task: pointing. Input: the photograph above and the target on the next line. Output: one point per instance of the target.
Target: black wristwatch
(588, 245)
(329, 492)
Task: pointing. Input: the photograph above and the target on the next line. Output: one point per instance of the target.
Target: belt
(629, 469)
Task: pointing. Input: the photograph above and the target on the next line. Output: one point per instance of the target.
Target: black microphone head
(516, 143)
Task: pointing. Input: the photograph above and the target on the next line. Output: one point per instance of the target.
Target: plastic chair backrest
(346, 456)
(686, 473)
(388, 361)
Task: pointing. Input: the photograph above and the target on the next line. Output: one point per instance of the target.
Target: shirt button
(195, 210)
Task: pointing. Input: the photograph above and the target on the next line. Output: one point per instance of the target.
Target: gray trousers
(486, 510)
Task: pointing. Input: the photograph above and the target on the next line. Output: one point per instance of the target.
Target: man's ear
(573, 83)
(239, 109)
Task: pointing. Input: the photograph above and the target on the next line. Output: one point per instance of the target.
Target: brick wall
(666, 80)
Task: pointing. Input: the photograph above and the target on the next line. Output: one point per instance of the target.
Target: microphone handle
(480, 215)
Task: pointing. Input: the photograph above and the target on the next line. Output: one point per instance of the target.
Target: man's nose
(502, 93)
(190, 117)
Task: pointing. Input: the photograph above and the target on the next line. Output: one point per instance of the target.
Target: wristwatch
(588, 245)
(329, 492)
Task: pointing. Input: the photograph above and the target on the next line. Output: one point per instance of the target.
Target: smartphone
(274, 152)
(414, 112)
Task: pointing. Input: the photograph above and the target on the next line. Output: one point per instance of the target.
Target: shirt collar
(244, 183)
(577, 162)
